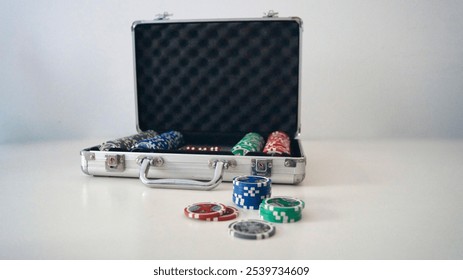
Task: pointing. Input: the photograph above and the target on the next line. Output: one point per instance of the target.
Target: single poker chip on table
(205, 210)
(251, 229)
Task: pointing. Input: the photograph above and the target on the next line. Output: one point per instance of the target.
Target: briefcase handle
(183, 184)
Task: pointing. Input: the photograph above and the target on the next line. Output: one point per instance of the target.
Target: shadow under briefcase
(214, 81)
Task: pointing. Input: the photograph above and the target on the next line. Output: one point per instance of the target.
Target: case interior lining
(218, 77)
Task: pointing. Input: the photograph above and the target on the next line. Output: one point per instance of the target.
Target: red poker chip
(278, 143)
(204, 210)
(230, 214)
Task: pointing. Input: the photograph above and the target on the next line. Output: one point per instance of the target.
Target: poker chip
(211, 211)
(166, 141)
(126, 143)
(253, 181)
(283, 203)
(250, 191)
(279, 217)
(251, 142)
(204, 210)
(281, 209)
(251, 229)
(229, 214)
(278, 143)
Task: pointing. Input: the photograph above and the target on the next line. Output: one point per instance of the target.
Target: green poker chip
(251, 142)
(274, 213)
(283, 203)
(280, 219)
(281, 209)
(279, 215)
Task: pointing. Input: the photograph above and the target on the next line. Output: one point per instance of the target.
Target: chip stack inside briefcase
(215, 99)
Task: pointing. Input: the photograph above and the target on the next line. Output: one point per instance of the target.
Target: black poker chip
(251, 229)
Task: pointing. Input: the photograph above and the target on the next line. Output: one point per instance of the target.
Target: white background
(371, 69)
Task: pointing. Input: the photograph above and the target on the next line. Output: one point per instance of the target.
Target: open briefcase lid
(218, 76)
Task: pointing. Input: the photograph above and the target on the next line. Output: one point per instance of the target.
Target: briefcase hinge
(271, 14)
(115, 163)
(163, 16)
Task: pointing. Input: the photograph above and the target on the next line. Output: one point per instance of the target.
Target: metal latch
(261, 167)
(163, 16)
(115, 163)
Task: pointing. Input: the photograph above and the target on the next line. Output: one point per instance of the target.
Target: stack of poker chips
(166, 141)
(281, 209)
(251, 142)
(250, 191)
(126, 143)
(211, 211)
(278, 143)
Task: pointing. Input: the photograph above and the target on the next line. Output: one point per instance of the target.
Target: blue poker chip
(249, 201)
(167, 141)
(156, 143)
(250, 191)
(252, 197)
(252, 181)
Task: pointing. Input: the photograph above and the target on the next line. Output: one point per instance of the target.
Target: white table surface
(394, 199)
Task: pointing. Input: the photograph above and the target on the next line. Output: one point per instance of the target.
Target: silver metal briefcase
(214, 81)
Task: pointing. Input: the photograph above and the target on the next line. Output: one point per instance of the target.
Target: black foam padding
(218, 77)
